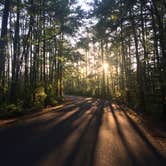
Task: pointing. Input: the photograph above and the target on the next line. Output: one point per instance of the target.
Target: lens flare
(105, 66)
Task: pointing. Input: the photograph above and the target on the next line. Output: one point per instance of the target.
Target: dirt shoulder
(8, 121)
(154, 129)
(31, 114)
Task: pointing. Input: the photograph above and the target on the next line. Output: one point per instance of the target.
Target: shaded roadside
(155, 128)
(69, 101)
(30, 142)
(85, 132)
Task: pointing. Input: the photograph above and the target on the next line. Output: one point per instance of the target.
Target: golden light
(105, 66)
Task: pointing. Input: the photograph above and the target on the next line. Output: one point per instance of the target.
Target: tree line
(120, 54)
(129, 37)
(34, 49)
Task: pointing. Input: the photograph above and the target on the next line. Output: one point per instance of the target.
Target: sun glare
(105, 66)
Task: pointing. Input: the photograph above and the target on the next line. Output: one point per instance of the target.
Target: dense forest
(34, 49)
(114, 50)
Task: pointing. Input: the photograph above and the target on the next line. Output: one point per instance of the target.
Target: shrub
(37, 105)
(50, 101)
(60, 98)
(12, 110)
(40, 95)
(50, 90)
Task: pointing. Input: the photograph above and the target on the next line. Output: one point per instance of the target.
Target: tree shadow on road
(20, 145)
(83, 153)
(123, 139)
(158, 158)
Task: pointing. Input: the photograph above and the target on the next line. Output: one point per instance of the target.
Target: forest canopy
(115, 50)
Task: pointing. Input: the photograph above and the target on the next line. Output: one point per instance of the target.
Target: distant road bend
(84, 132)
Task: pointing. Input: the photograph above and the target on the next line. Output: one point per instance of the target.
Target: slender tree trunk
(61, 67)
(3, 43)
(26, 52)
(162, 39)
(103, 70)
(44, 46)
(141, 96)
(16, 55)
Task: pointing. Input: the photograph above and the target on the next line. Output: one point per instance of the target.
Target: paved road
(85, 132)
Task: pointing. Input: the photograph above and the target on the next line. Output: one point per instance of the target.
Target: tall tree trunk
(3, 43)
(141, 97)
(44, 45)
(61, 66)
(16, 55)
(162, 39)
(26, 53)
(103, 70)
(145, 62)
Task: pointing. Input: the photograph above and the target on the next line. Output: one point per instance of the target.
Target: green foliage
(40, 96)
(50, 101)
(128, 35)
(37, 105)
(11, 110)
(50, 90)
(47, 37)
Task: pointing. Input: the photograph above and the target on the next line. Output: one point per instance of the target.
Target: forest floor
(80, 132)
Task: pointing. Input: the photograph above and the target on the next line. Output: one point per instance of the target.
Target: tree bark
(3, 40)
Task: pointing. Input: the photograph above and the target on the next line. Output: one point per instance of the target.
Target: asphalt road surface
(84, 132)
